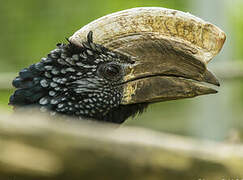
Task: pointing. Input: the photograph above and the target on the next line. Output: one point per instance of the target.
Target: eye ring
(111, 71)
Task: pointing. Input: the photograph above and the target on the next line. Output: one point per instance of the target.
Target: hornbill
(115, 66)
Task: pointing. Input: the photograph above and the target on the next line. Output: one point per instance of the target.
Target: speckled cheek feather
(73, 81)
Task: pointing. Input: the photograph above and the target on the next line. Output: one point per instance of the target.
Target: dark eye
(110, 71)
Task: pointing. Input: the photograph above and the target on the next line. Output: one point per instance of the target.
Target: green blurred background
(30, 29)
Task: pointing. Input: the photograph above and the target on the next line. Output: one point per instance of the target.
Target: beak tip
(217, 83)
(211, 79)
(212, 91)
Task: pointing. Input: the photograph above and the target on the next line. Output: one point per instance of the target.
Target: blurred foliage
(236, 25)
(4, 96)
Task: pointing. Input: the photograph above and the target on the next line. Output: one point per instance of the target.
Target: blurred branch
(231, 70)
(35, 147)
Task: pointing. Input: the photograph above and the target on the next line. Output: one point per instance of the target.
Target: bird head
(115, 66)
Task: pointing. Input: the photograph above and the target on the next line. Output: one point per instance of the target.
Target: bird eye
(111, 71)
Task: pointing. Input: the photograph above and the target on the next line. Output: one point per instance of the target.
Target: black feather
(71, 81)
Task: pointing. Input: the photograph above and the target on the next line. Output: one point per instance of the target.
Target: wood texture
(37, 147)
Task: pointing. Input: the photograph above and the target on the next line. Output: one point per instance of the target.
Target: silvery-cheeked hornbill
(115, 66)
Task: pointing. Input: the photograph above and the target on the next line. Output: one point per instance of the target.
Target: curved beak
(171, 75)
(170, 49)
